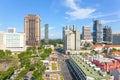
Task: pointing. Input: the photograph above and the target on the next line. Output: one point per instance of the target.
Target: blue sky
(59, 13)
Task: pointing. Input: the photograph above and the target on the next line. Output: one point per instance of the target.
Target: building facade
(46, 33)
(97, 31)
(32, 30)
(14, 42)
(116, 38)
(71, 38)
(86, 33)
(107, 35)
(2, 40)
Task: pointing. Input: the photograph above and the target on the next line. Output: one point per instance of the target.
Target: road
(64, 68)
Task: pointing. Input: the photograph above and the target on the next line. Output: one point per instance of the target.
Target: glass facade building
(97, 31)
(107, 34)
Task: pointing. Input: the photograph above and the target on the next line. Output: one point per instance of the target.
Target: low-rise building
(106, 64)
(112, 46)
(85, 70)
(49, 46)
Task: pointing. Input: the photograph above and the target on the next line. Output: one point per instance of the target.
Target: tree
(21, 74)
(8, 52)
(6, 74)
(2, 53)
(114, 49)
(37, 75)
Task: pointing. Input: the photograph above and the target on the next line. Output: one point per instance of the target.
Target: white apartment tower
(71, 38)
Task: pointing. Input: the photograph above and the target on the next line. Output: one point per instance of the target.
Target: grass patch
(54, 67)
(61, 77)
(58, 65)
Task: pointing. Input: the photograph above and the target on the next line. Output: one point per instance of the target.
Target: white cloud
(77, 12)
(110, 21)
(51, 28)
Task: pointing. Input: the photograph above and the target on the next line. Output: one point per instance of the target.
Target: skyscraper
(32, 30)
(107, 34)
(71, 38)
(46, 33)
(97, 31)
(86, 33)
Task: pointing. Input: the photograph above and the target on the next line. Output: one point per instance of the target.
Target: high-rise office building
(86, 33)
(116, 38)
(46, 33)
(32, 30)
(107, 35)
(97, 31)
(71, 38)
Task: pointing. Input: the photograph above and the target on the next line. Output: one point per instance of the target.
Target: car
(26, 77)
(32, 78)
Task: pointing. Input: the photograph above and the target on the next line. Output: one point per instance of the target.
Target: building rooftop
(88, 70)
(116, 52)
(116, 57)
(97, 45)
(104, 59)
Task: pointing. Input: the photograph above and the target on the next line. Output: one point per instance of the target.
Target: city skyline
(61, 13)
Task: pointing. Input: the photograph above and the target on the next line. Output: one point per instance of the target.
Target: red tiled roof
(116, 52)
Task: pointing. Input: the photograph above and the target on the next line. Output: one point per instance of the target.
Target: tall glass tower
(97, 31)
(107, 34)
(46, 33)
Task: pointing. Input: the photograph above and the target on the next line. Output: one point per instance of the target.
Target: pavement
(64, 68)
(52, 72)
(29, 74)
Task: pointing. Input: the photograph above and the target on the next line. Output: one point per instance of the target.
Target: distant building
(97, 31)
(46, 33)
(107, 35)
(11, 30)
(86, 33)
(32, 30)
(116, 38)
(49, 46)
(71, 38)
(14, 42)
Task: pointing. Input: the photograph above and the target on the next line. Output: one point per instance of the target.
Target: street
(64, 68)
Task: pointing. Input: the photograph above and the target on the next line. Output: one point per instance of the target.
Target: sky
(59, 13)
